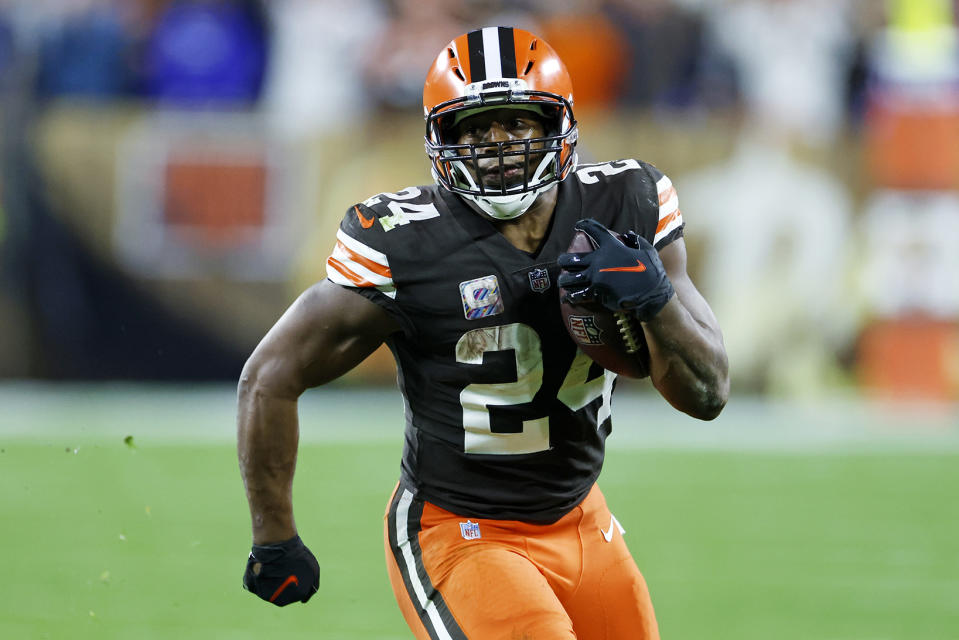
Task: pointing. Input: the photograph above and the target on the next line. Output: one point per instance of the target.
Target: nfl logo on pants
(470, 530)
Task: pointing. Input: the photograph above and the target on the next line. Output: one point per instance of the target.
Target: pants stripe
(405, 513)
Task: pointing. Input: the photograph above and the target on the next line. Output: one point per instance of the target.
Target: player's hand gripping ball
(610, 283)
(622, 273)
(282, 573)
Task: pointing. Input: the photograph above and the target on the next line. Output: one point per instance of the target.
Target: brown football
(614, 340)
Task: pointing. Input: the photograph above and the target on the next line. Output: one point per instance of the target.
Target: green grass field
(789, 523)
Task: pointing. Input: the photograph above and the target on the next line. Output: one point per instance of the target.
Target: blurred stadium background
(172, 174)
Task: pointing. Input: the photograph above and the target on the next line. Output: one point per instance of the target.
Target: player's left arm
(688, 365)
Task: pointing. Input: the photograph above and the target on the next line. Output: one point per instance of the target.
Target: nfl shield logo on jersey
(470, 530)
(539, 280)
(481, 297)
(584, 329)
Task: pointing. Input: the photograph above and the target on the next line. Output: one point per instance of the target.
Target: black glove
(621, 277)
(282, 573)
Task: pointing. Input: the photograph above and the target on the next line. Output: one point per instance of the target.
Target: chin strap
(495, 207)
(509, 205)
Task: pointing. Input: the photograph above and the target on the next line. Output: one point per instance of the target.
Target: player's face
(499, 125)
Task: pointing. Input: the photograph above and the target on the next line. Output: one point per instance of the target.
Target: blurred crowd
(814, 276)
(314, 61)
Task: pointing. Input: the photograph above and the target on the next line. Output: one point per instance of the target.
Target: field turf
(123, 516)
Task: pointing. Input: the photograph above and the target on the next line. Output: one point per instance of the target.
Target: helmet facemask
(544, 160)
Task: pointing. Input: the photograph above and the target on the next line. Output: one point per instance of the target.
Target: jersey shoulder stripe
(355, 264)
(670, 216)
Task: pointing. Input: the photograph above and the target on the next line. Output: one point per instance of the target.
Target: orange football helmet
(499, 67)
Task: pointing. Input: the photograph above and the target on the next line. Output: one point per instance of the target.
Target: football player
(496, 528)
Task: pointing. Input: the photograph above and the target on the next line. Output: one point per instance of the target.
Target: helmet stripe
(474, 41)
(494, 70)
(507, 51)
(492, 53)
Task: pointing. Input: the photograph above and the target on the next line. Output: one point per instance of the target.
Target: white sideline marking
(39, 412)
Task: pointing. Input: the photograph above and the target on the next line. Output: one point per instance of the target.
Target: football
(614, 340)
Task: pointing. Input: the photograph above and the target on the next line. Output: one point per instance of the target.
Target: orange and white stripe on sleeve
(670, 217)
(353, 264)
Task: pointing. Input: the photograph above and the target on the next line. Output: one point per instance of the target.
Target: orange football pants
(457, 578)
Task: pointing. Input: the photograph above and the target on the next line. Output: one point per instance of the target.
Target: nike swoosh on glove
(618, 276)
(282, 573)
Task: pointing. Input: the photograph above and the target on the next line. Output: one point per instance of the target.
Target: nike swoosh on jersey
(365, 222)
(638, 268)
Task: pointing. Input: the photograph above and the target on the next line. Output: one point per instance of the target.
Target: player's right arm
(326, 332)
